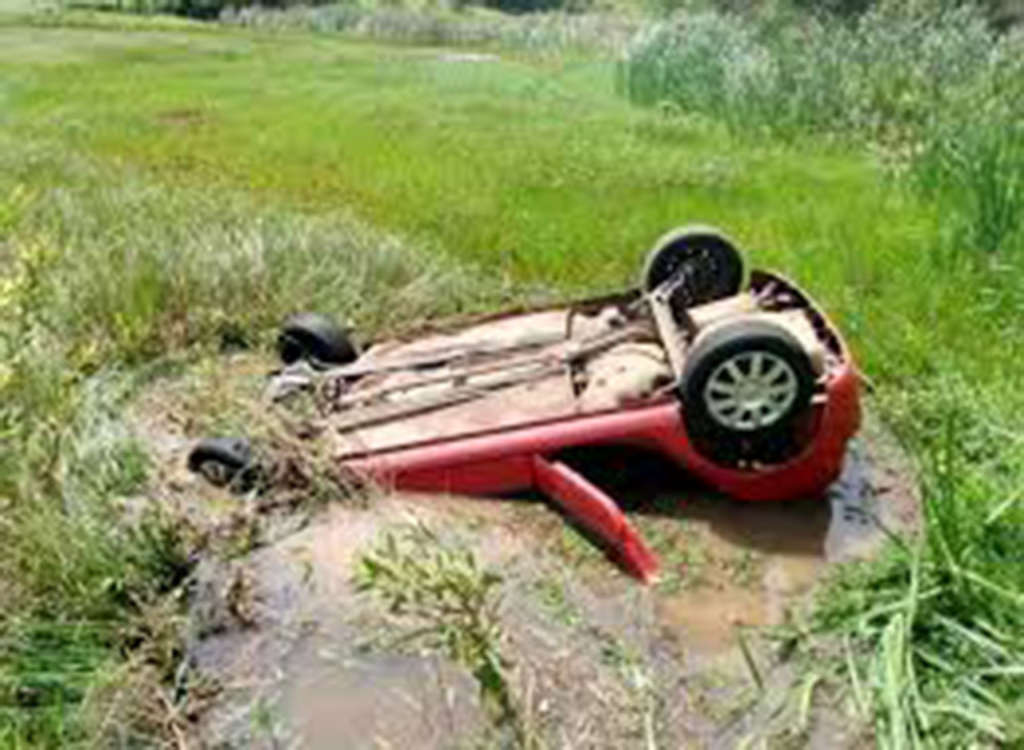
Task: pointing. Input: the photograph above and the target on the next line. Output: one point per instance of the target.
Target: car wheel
(222, 461)
(713, 265)
(315, 338)
(744, 384)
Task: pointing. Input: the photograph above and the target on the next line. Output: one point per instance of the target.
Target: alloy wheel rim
(751, 390)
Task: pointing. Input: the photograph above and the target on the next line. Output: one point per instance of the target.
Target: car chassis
(753, 391)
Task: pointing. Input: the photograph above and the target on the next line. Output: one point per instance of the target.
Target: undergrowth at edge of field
(93, 575)
(931, 88)
(927, 643)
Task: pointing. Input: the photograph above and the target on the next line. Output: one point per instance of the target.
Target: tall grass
(538, 33)
(934, 633)
(96, 280)
(790, 75)
(935, 91)
(971, 163)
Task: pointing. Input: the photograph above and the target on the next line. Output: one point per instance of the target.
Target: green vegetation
(889, 72)
(83, 573)
(552, 34)
(938, 93)
(169, 189)
(444, 599)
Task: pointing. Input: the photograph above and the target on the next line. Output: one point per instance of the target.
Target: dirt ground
(603, 661)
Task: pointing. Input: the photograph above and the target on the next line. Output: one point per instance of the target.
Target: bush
(706, 62)
(537, 33)
(884, 74)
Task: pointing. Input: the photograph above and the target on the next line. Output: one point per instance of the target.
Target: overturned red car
(748, 387)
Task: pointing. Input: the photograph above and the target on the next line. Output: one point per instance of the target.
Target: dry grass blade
(748, 659)
(859, 697)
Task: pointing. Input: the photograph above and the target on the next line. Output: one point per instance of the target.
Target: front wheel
(316, 338)
(708, 263)
(744, 385)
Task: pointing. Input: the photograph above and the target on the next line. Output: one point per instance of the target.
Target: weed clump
(448, 602)
(932, 634)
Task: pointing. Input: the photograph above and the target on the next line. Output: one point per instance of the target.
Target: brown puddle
(728, 563)
(747, 564)
(381, 700)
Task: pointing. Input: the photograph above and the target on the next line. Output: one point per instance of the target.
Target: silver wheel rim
(751, 390)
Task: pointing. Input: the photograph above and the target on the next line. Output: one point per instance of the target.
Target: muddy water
(294, 675)
(752, 562)
(727, 563)
(704, 618)
(340, 695)
(377, 701)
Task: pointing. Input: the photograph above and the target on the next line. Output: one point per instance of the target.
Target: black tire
(714, 265)
(223, 461)
(755, 420)
(315, 338)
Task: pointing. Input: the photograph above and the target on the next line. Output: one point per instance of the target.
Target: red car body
(520, 457)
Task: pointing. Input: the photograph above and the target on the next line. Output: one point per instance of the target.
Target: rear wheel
(223, 461)
(711, 265)
(744, 385)
(315, 338)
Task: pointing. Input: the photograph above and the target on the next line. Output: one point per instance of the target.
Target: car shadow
(645, 484)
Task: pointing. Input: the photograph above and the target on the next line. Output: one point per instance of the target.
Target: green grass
(167, 191)
(506, 164)
(16, 6)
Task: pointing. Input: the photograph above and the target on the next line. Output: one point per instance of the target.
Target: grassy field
(169, 189)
